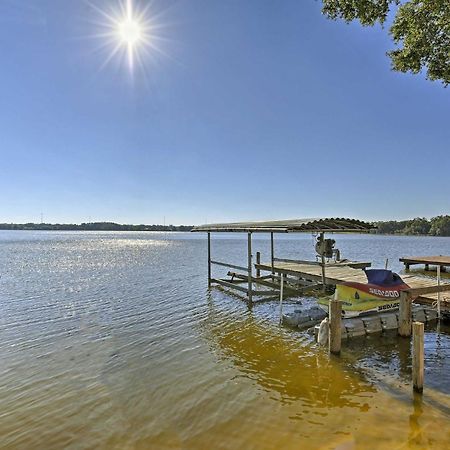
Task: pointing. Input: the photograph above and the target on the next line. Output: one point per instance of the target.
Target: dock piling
(418, 356)
(405, 315)
(322, 262)
(272, 256)
(209, 259)
(335, 312)
(281, 297)
(249, 268)
(258, 261)
(438, 274)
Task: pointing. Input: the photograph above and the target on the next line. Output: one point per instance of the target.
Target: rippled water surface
(112, 340)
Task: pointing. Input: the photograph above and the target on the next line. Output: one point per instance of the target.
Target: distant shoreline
(420, 226)
(95, 226)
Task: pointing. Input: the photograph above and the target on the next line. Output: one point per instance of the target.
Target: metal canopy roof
(291, 226)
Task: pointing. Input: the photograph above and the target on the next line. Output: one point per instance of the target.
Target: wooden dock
(300, 276)
(336, 273)
(427, 261)
(294, 277)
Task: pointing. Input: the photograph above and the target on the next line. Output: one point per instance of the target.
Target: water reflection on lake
(112, 340)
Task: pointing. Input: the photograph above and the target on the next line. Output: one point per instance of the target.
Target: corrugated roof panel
(290, 226)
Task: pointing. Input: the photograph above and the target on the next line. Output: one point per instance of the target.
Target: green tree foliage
(391, 227)
(437, 226)
(440, 226)
(419, 225)
(421, 29)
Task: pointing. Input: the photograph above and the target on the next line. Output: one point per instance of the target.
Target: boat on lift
(381, 293)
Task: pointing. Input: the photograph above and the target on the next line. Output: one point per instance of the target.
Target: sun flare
(129, 31)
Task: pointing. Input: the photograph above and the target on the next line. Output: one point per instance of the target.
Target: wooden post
(281, 297)
(404, 317)
(209, 259)
(249, 268)
(418, 356)
(258, 261)
(322, 257)
(438, 270)
(272, 252)
(335, 313)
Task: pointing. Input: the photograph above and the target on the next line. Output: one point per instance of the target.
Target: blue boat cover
(383, 277)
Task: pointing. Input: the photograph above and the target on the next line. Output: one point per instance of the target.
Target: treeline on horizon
(436, 226)
(94, 226)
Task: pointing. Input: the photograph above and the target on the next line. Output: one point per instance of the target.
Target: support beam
(209, 259)
(228, 284)
(353, 264)
(263, 281)
(405, 314)
(438, 270)
(270, 293)
(249, 258)
(258, 261)
(272, 256)
(418, 356)
(281, 298)
(231, 266)
(417, 292)
(335, 312)
(322, 258)
(298, 261)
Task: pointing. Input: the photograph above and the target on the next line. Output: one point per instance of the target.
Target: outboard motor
(325, 247)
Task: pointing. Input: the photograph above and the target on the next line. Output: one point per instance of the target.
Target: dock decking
(437, 260)
(336, 273)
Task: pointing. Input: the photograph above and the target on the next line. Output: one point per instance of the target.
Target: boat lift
(279, 267)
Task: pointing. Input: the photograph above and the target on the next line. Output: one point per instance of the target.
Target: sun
(130, 32)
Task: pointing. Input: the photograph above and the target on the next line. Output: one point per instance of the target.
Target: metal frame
(290, 226)
(273, 281)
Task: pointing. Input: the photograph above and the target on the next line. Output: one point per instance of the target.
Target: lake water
(112, 340)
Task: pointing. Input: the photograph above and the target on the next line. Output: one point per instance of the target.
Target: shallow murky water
(112, 340)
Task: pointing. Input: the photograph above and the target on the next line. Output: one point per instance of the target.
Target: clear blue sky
(248, 110)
